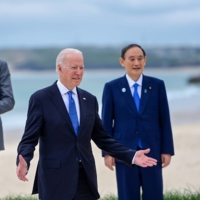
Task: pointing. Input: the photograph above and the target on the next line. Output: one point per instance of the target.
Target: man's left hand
(21, 170)
(166, 159)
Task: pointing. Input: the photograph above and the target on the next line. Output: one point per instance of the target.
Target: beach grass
(185, 194)
(169, 195)
(109, 197)
(19, 197)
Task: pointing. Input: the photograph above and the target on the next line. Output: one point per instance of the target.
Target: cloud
(145, 7)
(46, 9)
(47, 22)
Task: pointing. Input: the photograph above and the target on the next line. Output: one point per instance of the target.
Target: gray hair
(63, 55)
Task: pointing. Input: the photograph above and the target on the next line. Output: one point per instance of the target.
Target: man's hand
(22, 169)
(109, 162)
(142, 160)
(166, 158)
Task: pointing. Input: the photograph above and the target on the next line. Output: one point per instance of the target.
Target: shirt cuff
(133, 161)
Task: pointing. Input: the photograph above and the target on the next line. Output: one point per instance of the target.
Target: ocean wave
(180, 101)
(13, 121)
(188, 92)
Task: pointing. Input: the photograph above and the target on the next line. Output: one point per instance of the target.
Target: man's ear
(59, 68)
(145, 60)
(121, 61)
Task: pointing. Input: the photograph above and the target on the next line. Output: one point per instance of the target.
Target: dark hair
(126, 48)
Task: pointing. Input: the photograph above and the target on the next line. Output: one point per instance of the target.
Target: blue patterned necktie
(73, 113)
(137, 103)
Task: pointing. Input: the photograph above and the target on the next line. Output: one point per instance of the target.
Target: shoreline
(184, 69)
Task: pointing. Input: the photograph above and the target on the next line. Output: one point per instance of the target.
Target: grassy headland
(100, 57)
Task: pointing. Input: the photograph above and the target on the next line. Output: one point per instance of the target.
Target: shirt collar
(63, 89)
(131, 82)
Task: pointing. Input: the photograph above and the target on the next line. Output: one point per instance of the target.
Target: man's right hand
(22, 169)
(109, 162)
(142, 160)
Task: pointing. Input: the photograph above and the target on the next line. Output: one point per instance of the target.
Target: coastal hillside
(99, 57)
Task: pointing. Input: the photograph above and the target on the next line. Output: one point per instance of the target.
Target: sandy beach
(184, 171)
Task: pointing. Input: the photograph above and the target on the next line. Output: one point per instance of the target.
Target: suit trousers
(83, 191)
(130, 181)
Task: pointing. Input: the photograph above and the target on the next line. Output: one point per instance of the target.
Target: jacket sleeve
(7, 101)
(32, 132)
(107, 111)
(167, 146)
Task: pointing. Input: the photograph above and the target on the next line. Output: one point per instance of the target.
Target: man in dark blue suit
(135, 112)
(64, 119)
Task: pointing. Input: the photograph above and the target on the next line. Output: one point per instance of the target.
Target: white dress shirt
(131, 82)
(64, 93)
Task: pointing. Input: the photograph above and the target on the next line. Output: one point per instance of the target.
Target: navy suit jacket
(152, 124)
(59, 148)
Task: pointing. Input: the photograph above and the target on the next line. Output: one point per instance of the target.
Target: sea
(183, 98)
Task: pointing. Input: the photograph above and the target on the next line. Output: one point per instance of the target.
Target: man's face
(134, 62)
(72, 71)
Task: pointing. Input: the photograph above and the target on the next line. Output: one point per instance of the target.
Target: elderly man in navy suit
(135, 112)
(64, 119)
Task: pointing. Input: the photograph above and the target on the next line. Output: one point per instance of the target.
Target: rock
(194, 79)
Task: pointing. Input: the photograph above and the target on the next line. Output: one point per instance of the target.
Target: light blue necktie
(73, 113)
(137, 103)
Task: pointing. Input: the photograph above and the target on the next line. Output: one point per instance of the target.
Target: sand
(183, 172)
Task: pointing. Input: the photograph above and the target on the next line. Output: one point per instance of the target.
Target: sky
(49, 23)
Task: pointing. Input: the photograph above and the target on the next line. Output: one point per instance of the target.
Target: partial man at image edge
(64, 119)
(135, 112)
(7, 101)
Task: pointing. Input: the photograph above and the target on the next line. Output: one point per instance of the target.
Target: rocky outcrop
(195, 79)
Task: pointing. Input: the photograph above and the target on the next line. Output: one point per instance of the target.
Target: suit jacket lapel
(145, 93)
(82, 103)
(126, 93)
(57, 100)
